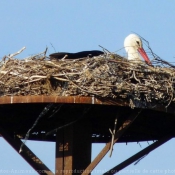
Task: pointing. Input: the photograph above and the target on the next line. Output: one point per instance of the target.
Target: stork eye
(138, 43)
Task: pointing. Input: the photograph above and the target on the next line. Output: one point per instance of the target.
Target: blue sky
(84, 25)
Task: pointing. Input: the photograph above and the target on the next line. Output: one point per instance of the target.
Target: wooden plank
(81, 100)
(105, 150)
(61, 99)
(27, 154)
(135, 157)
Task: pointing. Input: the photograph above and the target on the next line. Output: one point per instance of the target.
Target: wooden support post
(105, 150)
(140, 154)
(73, 149)
(27, 154)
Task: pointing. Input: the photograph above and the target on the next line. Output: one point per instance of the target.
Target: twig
(105, 49)
(14, 54)
(113, 135)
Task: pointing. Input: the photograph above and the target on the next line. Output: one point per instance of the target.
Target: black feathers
(76, 55)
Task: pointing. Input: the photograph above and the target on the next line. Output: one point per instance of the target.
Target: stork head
(133, 46)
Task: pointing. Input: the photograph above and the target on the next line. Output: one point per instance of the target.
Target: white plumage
(134, 48)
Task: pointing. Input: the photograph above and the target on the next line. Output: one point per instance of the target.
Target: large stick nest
(105, 76)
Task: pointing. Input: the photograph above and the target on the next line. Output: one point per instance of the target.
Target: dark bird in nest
(77, 55)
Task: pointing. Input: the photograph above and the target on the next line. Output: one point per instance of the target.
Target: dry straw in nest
(105, 76)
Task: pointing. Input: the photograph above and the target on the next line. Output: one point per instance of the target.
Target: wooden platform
(18, 114)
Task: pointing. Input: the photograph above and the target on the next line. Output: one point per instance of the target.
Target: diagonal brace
(135, 157)
(105, 150)
(27, 154)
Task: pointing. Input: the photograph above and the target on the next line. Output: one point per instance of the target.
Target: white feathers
(132, 43)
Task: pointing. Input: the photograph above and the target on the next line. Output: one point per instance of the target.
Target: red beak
(144, 55)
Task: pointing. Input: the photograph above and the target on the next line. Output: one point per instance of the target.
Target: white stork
(133, 46)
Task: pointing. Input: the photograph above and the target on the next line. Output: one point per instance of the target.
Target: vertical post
(73, 149)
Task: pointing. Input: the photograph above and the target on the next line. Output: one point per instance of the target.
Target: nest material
(106, 76)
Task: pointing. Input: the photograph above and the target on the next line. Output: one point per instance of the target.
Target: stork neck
(133, 54)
